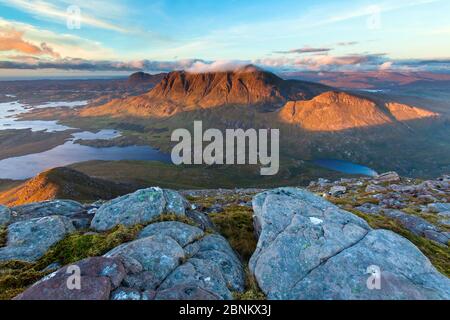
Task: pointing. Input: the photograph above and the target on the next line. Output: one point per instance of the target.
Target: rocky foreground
(366, 238)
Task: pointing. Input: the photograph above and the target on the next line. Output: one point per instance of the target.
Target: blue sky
(118, 36)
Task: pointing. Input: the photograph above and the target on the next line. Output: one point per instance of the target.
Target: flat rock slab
(29, 240)
(65, 208)
(98, 277)
(310, 249)
(143, 206)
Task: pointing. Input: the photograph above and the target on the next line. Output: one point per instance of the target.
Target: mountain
(62, 183)
(184, 91)
(336, 111)
(142, 79)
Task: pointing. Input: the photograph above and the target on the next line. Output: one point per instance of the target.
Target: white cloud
(65, 44)
(44, 9)
(216, 66)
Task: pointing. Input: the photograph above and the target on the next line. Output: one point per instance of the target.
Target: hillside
(337, 111)
(62, 183)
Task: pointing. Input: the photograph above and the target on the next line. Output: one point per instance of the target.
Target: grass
(439, 255)
(236, 224)
(3, 236)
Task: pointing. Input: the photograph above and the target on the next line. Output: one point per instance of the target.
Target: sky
(45, 38)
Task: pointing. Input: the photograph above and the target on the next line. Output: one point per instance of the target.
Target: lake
(28, 166)
(345, 167)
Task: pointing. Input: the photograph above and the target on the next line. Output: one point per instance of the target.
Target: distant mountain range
(312, 106)
(367, 79)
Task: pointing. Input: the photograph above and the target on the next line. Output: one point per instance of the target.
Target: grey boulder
(172, 259)
(67, 208)
(310, 249)
(98, 277)
(29, 240)
(417, 225)
(143, 206)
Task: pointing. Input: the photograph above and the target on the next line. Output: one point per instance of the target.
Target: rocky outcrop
(171, 256)
(30, 239)
(417, 206)
(143, 206)
(169, 260)
(5, 215)
(73, 210)
(308, 248)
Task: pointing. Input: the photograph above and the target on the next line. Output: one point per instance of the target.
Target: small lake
(345, 167)
(28, 166)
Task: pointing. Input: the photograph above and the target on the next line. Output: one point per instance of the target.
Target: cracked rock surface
(308, 248)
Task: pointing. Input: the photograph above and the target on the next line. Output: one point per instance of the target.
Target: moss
(252, 292)
(3, 236)
(236, 224)
(439, 255)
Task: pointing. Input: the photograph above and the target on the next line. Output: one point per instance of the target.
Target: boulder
(417, 225)
(29, 240)
(5, 215)
(387, 177)
(336, 191)
(143, 206)
(310, 249)
(372, 188)
(65, 208)
(403, 272)
(158, 256)
(182, 233)
(439, 207)
(98, 277)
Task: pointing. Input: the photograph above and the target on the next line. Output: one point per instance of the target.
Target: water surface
(345, 167)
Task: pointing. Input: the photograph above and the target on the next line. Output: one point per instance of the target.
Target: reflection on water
(345, 167)
(9, 112)
(30, 165)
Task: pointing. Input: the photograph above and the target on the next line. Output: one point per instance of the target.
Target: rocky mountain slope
(369, 238)
(62, 183)
(183, 91)
(337, 111)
